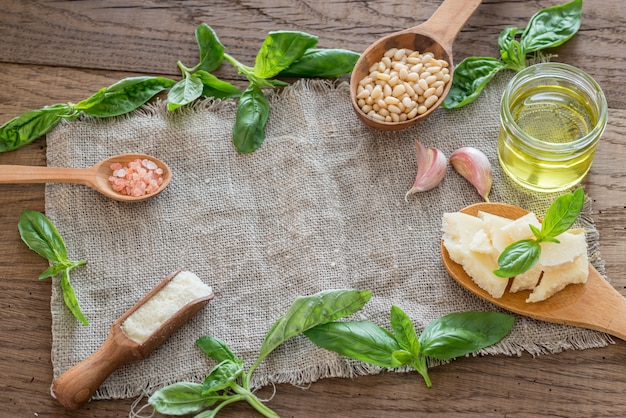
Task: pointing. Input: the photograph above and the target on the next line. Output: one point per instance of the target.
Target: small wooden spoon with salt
(593, 305)
(76, 385)
(96, 176)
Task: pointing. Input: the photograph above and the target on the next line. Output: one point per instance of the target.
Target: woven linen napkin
(320, 205)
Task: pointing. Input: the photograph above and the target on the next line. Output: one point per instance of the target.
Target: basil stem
(40, 235)
(29, 126)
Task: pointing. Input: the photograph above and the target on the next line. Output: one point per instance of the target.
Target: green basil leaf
(184, 92)
(307, 312)
(562, 213)
(517, 258)
(461, 333)
(279, 50)
(511, 51)
(253, 111)
(222, 376)
(124, 96)
(214, 87)
(403, 357)
(404, 330)
(364, 341)
(324, 63)
(211, 49)
(29, 126)
(40, 235)
(69, 297)
(469, 79)
(552, 26)
(216, 349)
(180, 399)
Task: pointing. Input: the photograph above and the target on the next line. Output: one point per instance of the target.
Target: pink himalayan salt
(138, 178)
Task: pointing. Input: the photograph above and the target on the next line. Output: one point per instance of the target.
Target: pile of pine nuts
(402, 85)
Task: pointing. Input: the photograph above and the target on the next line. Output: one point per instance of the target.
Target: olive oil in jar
(550, 126)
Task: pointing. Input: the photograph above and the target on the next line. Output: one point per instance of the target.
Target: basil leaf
(40, 235)
(216, 349)
(403, 357)
(70, 298)
(181, 398)
(517, 258)
(461, 333)
(214, 87)
(184, 92)
(279, 50)
(510, 49)
(124, 96)
(562, 213)
(211, 49)
(222, 376)
(29, 126)
(253, 111)
(326, 63)
(307, 312)
(404, 330)
(470, 78)
(552, 26)
(364, 341)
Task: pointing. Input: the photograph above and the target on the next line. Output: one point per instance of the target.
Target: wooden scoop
(435, 35)
(594, 305)
(96, 176)
(76, 386)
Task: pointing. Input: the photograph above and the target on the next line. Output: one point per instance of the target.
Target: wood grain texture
(59, 51)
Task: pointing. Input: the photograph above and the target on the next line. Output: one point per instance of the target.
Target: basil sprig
(228, 381)
(282, 54)
(41, 236)
(445, 338)
(520, 256)
(548, 28)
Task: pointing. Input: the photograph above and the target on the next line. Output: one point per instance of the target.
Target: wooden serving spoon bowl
(593, 305)
(435, 35)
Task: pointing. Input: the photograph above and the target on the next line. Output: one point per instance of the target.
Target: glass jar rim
(573, 75)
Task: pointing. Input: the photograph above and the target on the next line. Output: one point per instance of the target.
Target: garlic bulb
(475, 167)
(431, 168)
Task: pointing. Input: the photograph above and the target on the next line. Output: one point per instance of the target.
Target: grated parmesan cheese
(181, 289)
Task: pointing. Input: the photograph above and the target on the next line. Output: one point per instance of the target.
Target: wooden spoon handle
(446, 23)
(18, 174)
(76, 386)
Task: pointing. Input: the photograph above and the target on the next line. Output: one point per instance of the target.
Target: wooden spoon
(435, 35)
(76, 385)
(96, 176)
(594, 305)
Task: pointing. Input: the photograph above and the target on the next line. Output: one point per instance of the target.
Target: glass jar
(551, 118)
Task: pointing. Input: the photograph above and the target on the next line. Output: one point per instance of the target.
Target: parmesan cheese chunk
(476, 242)
(183, 288)
(555, 278)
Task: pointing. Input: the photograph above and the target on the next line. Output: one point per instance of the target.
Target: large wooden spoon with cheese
(593, 305)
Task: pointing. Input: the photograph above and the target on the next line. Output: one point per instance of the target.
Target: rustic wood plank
(55, 52)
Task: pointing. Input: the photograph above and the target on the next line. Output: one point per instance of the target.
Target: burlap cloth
(320, 205)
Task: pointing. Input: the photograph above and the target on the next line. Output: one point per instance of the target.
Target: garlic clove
(475, 167)
(431, 168)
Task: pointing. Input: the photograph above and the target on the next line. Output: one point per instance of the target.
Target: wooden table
(53, 52)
